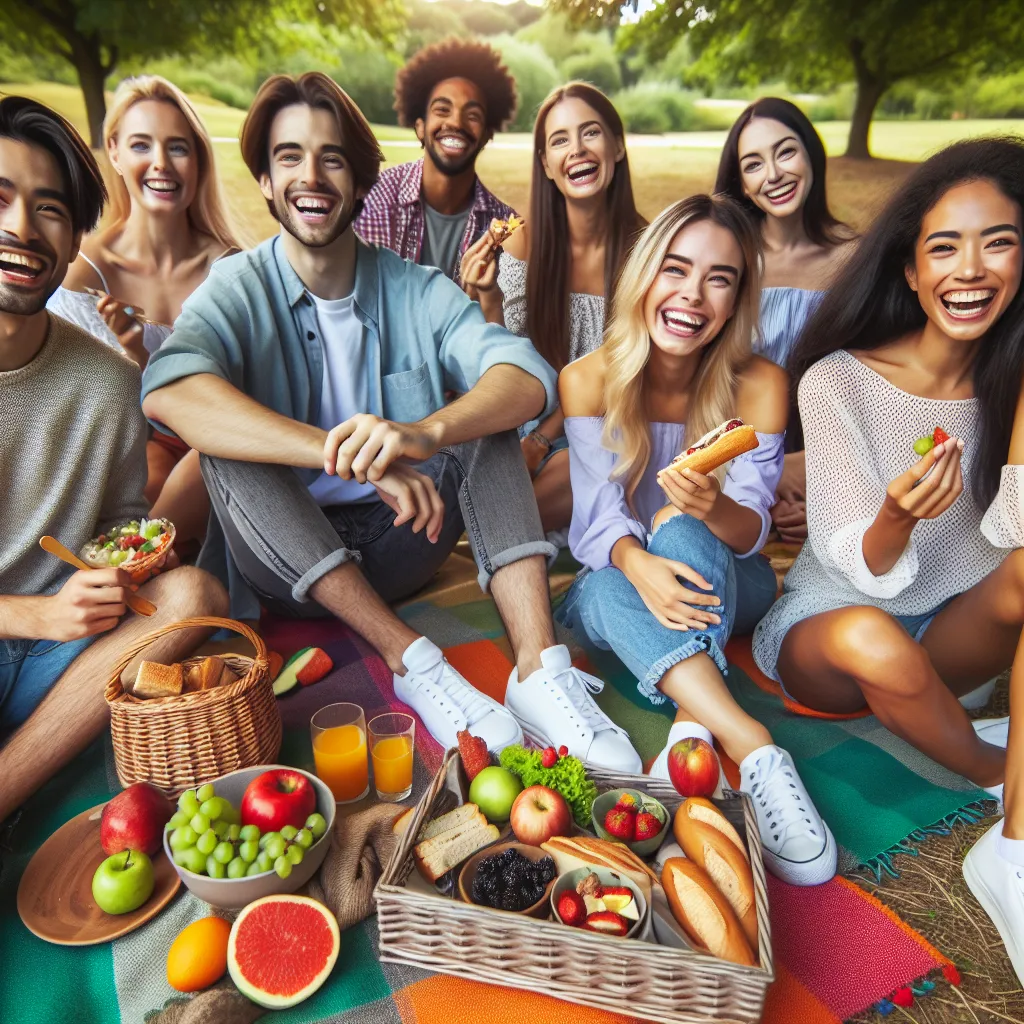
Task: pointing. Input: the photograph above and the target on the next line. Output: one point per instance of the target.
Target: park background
(886, 82)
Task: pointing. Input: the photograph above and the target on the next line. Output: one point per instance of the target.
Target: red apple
(277, 798)
(538, 814)
(693, 767)
(135, 819)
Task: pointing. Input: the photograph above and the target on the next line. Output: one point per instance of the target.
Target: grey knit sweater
(72, 454)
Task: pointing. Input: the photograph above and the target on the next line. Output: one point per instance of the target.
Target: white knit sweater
(859, 432)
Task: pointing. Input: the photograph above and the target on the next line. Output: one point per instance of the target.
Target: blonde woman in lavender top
(671, 558)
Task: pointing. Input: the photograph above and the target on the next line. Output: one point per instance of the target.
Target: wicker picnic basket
(625, 975)
(178, 743)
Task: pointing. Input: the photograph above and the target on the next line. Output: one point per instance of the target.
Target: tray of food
(607, 890)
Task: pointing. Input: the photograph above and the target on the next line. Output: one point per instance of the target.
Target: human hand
(91, 601)
(790, 520)
(124, 320)
(414, 497)
(365, 446)
(657, 581)
(931, 485)
(478, 269)
(689, 491)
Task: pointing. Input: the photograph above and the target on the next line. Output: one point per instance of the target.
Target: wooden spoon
(134, 601)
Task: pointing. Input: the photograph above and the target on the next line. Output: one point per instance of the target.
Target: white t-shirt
(346, 389)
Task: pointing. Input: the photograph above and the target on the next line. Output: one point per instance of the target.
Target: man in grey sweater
(72, 464)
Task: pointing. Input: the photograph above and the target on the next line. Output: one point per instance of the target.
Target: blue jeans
(28, 671)
(614, 617)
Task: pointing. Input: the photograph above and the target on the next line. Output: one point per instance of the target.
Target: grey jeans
(283, 542)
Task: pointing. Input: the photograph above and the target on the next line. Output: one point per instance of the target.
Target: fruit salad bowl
(234, 893)
(644, 803)
(608, 878)
(532, 853)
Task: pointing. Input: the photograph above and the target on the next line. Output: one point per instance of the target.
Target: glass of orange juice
(391, 745)
(339, 750)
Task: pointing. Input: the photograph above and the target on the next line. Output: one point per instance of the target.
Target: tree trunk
(870, 89)
(92, 73)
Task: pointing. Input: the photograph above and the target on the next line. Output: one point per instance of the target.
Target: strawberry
(549, 758)
(571, 908)
(563, 750)
(620, 822)
(616, 890)
(627, 800)
(647, 826)
(939, 435)
(608, 922)
(474, 754)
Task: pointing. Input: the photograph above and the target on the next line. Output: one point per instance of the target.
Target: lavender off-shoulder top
(600, 514)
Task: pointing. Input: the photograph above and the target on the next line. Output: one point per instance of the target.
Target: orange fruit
(198, 957)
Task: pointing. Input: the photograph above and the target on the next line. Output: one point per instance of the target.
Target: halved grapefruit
(281, 949)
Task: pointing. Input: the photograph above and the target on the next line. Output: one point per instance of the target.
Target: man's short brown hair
(317, 90)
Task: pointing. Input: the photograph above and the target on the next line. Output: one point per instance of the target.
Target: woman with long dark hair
(666, 584)
(554, 276)
(907, 595)
(773, 163)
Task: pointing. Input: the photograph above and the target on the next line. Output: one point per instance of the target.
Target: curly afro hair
(456, 58)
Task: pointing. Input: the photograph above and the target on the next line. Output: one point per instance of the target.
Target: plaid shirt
(392, 215)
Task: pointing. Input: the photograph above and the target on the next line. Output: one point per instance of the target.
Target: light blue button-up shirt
(253, 324)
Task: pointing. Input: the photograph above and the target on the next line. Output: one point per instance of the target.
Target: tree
(95, 35)
(822, 43)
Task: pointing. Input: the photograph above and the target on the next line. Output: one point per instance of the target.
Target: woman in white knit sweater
(910, 590)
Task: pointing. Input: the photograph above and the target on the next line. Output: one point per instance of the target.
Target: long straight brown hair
(547, 276)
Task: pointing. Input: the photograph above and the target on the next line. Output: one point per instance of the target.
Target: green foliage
(487, 19)
(598, 69)
(555, 36)
(999, 97)
(652, 108)
(535, 74)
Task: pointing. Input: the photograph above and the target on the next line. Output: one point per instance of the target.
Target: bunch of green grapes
(208, 838)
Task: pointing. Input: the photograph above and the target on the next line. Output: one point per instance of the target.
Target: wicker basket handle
(207, 621)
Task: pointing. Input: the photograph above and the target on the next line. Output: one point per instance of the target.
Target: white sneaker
(798, 846)
(978, 698)
(995, 731)
(447, 703)
(998, 885)
(555, 709)
(682, 731)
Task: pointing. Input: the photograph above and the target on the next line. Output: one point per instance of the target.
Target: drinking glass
(391, 745)
(339, 750)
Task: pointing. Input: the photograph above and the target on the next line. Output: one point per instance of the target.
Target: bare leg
(841, 660)
(346, 592)
(701, 695)
(1013, 790)
(160, 462)
(554, 494)
(183, 499)
(520, 592)
(75, 712)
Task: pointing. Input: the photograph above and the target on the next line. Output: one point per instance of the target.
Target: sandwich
(446, 842)
(709, 840)
(717, 447)
(156, 680)
(704, 913)
(571, 852)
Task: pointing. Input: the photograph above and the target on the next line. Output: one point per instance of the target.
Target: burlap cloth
(363, 843)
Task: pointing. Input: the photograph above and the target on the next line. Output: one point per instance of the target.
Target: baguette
(717, 447)
(709, 840)
(204, 675)
(436, 857)
(156, 680)
(571, 852)
(704, 913)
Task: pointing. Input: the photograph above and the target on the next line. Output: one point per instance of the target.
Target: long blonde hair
(627, 342)
(208, 212)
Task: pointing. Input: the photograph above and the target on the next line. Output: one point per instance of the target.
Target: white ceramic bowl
(233, 893)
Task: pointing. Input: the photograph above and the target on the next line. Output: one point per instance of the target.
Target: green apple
(494, 791)
(123, 882)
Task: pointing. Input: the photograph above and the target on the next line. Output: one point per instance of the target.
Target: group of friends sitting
(330, 411)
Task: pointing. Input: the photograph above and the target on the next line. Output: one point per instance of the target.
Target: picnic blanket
(838, 950)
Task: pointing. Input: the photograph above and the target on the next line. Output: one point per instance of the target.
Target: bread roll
(204, 674)
(725, 447)
(708, 839)
(227, 676)
(704, 913)
(156, 680)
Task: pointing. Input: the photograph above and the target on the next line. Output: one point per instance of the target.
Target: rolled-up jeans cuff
(514, 554)
(300, 591)
(699, 643)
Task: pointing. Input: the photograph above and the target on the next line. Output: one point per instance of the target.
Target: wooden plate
(55, 894)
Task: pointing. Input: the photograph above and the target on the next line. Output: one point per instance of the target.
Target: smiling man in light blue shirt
(314, 357)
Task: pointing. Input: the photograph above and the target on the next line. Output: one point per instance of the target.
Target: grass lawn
(664, 169)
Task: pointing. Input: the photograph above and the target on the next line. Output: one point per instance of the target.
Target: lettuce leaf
(567, 777)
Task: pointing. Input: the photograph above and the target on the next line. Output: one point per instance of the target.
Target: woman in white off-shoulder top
(910, 590)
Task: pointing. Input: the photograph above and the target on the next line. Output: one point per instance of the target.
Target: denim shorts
(28, 671)
(607, 608)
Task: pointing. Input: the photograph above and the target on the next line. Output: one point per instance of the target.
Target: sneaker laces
(463, 695)
(775, 788)
(578, 687)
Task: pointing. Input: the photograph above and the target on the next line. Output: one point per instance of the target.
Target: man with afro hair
(456, 94)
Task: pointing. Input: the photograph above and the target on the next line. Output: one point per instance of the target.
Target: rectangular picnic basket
(638, 978)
